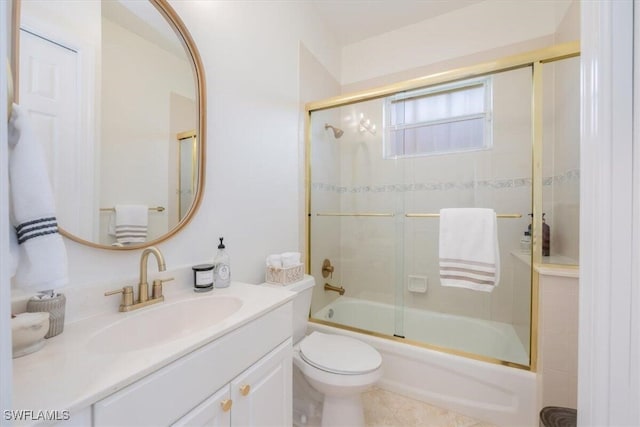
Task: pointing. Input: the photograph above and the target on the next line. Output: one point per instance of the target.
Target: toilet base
(343, 411)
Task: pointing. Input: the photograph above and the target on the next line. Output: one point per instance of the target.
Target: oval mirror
(115, 93)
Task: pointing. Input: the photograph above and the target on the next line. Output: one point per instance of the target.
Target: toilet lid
(339, 354)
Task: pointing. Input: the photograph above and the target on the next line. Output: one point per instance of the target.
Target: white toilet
(339, 367)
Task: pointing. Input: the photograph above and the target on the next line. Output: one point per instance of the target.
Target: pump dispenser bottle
(546, 235)
(221, 269)
(525, 243)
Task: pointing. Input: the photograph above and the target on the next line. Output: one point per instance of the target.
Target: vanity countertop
(67, 375)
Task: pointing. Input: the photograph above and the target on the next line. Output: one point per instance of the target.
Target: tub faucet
(128, 303)
(338, 289)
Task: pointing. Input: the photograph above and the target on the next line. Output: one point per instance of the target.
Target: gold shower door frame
(534, 59)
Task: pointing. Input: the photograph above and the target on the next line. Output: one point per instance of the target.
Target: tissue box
(284, 276)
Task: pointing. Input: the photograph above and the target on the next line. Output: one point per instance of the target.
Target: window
(442, 119)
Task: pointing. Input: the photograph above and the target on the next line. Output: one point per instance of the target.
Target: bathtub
(498, 394)
(488, 338)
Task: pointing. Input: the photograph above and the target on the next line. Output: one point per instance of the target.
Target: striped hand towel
(131, 223)
(469, 253)
(37, 246)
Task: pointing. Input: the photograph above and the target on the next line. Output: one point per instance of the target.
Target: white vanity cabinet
(241, 379)
(213, 412)
(260, 396)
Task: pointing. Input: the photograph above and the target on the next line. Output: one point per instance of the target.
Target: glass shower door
(356, 220)
(382, 170)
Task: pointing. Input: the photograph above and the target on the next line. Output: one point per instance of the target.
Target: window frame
(487, 138)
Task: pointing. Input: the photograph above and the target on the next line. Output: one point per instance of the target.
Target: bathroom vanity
(235, 370)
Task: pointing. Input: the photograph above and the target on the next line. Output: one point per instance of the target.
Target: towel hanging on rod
(157, 208)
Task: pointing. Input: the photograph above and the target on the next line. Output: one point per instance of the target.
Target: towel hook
(9, 90)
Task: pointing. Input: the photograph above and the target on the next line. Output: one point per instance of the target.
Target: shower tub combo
(457, 139)
(499, 394)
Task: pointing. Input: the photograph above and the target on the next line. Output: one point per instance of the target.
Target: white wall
(250, 51)
(480, 27)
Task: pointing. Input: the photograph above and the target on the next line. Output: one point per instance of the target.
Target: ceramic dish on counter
(27, 332)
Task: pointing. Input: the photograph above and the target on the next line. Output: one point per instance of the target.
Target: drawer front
(166, 395)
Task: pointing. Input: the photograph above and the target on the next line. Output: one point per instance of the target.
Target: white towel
(42, 255)
(469, 253)
(283, 260)
(274, 260)
(290, 259)
(131, 223)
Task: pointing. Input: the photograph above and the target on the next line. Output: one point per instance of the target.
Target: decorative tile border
(494, 184)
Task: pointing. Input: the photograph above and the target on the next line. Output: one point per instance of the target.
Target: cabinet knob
(226, 405)
(245, 389)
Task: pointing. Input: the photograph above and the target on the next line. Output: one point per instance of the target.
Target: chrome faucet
(128, 303)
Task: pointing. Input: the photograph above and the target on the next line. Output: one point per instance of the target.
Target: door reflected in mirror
(109, 86)
(187, 170)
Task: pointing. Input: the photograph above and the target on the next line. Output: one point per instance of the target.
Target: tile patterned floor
(383, 408)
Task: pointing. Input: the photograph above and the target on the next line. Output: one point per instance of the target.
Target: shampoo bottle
(546, 237)
(221, 269)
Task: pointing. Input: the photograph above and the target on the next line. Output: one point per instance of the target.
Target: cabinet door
(213, 412)
(262, 394)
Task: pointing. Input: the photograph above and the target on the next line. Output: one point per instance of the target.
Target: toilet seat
(339, 354)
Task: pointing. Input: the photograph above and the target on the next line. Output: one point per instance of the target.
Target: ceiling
(356, 20)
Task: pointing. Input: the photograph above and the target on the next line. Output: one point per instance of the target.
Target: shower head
(337, 133)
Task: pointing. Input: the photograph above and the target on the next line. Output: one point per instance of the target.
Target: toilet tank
(301, 305)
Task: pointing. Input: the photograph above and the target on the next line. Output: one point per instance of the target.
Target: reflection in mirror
(108, 86)
(188, 169)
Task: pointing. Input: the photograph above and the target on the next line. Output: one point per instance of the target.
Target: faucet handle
(156, 291)
(127, 296)
(327, 269)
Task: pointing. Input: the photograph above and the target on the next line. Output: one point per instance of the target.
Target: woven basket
(284, 276)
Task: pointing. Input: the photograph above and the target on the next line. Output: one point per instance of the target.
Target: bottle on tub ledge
(546, 235)
(221, 267)
(525, 243)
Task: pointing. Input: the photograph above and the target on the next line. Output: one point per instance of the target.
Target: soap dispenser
(546, 235)
(221, 269)
(525, 243)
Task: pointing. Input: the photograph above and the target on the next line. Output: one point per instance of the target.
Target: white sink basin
(163, 323)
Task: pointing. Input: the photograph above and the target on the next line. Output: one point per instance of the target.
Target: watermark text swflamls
(35, 415)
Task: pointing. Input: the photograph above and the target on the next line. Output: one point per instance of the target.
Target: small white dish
(28, 331)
